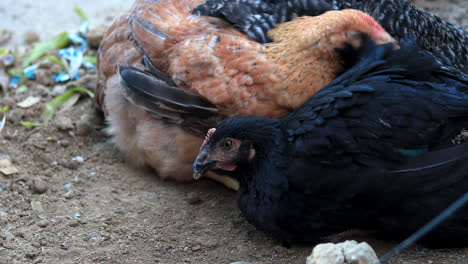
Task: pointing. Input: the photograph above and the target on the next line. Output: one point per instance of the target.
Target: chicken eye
(227, 144)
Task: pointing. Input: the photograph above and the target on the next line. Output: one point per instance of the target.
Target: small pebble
(8, 245)
(196, 248)
(58, 90)
(9, 136)
(64, 246)
(43, 223)
(78, 215)
(68, 195)
(83, 126)
(36, 245)
(16, 115)
(37, 206)
(31, 255)
(5, 36)
(43, 91)
(6, 167)
(9, 101)
(68, 186)
(64, 143)
(78, 159)
(78, 177)
(30, 37)
(39, 187)
(193, 198)
(119, 211)
(71, 164)
(7, 60)
(63, 123)
(348, 252)
(41, 158)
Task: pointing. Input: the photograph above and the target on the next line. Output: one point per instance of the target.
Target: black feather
(157, 94)
(398, 17)
(367, 151)
(157, 89)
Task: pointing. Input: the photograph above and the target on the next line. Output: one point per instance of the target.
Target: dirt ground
(74, 198)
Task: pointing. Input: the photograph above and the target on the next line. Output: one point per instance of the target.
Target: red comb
(376, 26)
(207, 137)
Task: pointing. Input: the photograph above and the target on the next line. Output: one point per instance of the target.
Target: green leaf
(90, 59)
(81, 13)
(53, 59)
(58, 42)
(29, 124)
(16, 72)
(4, 109)
(21, 89)
(4, 51)
(52, 106)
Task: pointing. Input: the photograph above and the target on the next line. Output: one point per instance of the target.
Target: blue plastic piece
(29, 71)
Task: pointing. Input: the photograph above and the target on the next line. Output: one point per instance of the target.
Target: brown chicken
(225, 72)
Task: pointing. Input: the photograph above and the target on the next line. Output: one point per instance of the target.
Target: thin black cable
(426, 228)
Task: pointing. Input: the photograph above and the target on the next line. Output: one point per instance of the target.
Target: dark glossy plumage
(371, 150)
(398, 17)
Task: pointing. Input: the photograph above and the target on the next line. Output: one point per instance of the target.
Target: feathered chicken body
(371, 150)
(398, 17)
(198, 70)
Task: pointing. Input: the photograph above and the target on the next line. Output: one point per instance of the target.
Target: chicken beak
(201, 167)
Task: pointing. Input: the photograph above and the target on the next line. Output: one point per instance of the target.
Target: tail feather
(156, 94)
(158, 90)
(426, 171)
(156, 72)
(421, 189)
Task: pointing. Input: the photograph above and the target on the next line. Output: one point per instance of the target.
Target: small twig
(34, 130)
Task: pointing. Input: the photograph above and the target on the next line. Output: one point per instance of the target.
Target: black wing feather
(157, 94)
(389, 107)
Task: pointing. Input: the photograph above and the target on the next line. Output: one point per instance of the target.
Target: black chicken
(398, 17)
(371, 150)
